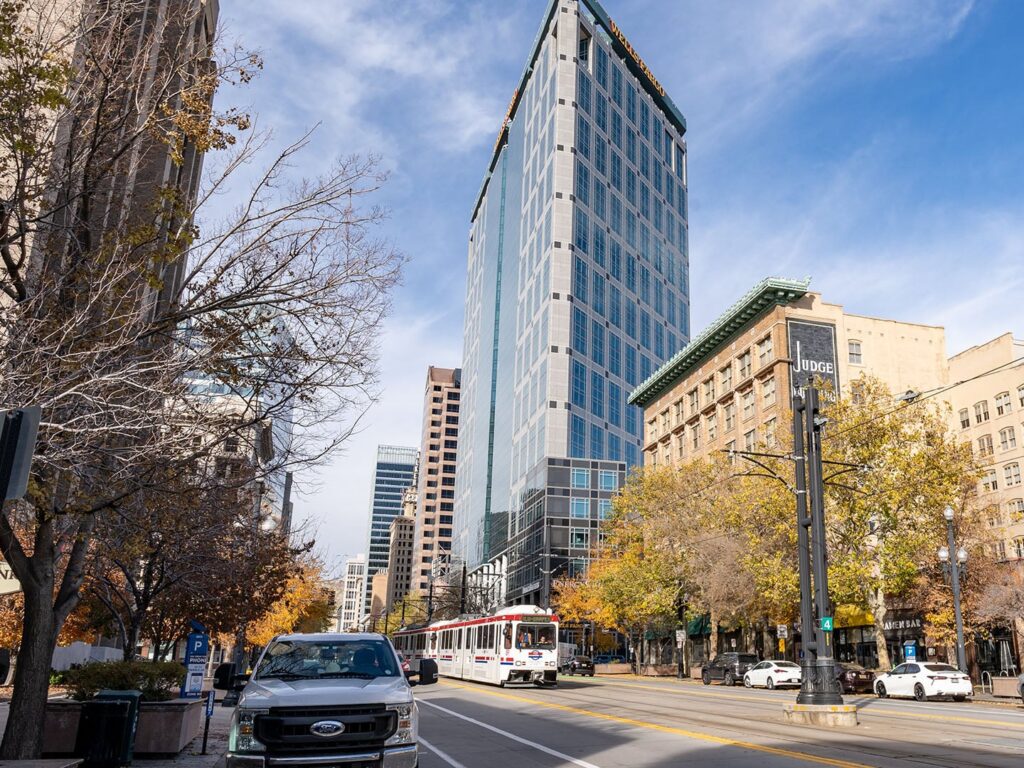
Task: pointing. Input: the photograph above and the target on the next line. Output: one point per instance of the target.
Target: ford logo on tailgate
(327, 728)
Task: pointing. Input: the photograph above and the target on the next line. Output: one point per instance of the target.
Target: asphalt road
(612, 722)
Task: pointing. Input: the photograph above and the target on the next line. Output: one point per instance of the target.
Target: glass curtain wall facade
(394, 473)
(577, 284)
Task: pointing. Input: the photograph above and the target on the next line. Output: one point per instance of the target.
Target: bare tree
(150, 333)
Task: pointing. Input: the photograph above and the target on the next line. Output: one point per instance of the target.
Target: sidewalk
(189, 757)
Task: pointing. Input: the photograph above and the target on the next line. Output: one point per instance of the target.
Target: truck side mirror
(428, 672)
(224, 676)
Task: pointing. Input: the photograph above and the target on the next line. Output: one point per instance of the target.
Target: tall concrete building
(400, 554)
(577, 288)
(394, 472)
(435, 502)
(353, 589)
(729, 388)
(988, 411)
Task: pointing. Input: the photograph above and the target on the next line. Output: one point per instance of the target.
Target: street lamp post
(953, 560)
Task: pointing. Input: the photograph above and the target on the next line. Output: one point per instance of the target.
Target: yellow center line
(665, 728)
(861, 710)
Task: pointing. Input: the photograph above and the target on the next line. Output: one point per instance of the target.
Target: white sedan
(923, 681)
(772, 674)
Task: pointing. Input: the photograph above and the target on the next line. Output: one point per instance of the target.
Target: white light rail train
(518, 644)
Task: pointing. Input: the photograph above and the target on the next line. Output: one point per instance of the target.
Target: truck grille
(285, 730)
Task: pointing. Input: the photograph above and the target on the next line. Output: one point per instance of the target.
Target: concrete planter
(612, 669)
(1005, 686)
(165, 727)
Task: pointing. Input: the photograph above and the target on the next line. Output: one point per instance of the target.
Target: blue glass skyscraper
(394, 472)
(576, 292)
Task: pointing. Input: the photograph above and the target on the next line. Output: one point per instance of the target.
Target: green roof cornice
(768, 293)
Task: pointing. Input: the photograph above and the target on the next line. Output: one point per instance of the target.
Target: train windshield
(540, 636)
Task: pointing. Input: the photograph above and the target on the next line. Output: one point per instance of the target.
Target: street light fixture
(953, 568)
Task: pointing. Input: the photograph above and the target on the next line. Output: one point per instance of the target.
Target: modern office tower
(435, 501)
(577, 291)
(395, 471)
(350, 612)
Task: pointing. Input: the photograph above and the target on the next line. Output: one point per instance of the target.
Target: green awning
(699, 626)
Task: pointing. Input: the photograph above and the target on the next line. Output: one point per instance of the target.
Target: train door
(468, 656)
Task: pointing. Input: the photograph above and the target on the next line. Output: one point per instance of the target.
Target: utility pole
(818, 681)
(462, 599)
(430, 600)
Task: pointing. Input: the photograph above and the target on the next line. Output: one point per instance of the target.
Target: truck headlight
(242, 735)
(405, 733)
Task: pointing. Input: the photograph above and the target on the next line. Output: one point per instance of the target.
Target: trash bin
(106, 730)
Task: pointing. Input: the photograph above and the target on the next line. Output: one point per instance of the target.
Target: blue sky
(877, 147)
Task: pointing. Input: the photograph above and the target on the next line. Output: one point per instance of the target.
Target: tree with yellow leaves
(302, 607)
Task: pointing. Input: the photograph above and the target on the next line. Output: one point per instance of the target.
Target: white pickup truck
(321, 700)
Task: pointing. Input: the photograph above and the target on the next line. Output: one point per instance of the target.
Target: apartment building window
(730, 415)
(581, 478)
(730, 447)
(691, 396)
(749, 440)
(1015, 509)
(989, 482)
(580, 508)
(994, 519)
(748, 404)
(609, 481)
(998, 550)
(1020, 395)
(604, 509)
(985, 445)
(769, 433)
(856, 356)
(725, 376)
(678, 413)
(764, 352)
(768, 391)
(713, 427)
(745, 365)
(709, 391)
(1003, 404)
(579, 538)
(695, 436)
(1007, 438)
(652, 430)
(965, 418)
(981, 412)
(1018, 547)
(1011, 474)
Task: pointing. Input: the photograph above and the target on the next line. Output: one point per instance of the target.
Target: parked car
(772, 674)
(325, 699)
(579, 665)
(728, 667)
(853, 678)
(924, 681)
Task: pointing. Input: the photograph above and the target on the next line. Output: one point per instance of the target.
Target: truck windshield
(300, 659)
(541, 636)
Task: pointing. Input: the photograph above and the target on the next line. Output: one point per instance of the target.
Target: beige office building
(728, 388)
(400, 550)
(988, 411)
(436, 487)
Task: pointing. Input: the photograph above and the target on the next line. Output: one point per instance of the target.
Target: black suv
(728, 667)
(579, 665)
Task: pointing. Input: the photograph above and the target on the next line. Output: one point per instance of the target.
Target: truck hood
(262, 694)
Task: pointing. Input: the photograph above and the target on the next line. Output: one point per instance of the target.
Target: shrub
(157, 681)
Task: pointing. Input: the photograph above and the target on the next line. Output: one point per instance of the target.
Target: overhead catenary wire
(923, 396)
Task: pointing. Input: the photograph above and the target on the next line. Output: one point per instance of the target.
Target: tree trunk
(23, 739)
(879, 611)
(713, 650)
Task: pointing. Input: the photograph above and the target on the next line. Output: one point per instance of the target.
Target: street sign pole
(819, 684)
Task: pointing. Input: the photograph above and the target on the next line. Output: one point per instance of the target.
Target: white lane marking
(507, 735)
(441, 753)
